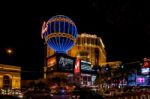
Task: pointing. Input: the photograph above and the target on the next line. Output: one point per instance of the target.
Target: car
(62, 93)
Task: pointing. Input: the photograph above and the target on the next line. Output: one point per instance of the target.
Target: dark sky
(124, 26)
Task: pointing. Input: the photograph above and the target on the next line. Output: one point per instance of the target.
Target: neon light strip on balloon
(76, 31)
(63, 38)
(55, 32)
(73, 31)
(67, 38)
(51, 42)
(69, 47)
(61, 20)
(71, 43)
(52, 46)
(68, 33)
(59, 35)
(54, 39)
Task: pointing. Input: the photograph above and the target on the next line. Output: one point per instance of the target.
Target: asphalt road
(46, 97)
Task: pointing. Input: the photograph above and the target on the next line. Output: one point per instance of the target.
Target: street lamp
(9, 51)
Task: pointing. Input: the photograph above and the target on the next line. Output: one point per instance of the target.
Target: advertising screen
(145, 70)
(86, 66)
(146, 63)
(132, 80)
(51, 62)
(65, 63)
(77, 66)
(138, 80)
(142, 80)
(93, 78)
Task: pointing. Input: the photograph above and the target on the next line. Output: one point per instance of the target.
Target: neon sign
(77, 66)
(44, 28)
(65, 63)
(140, 80)
(51, 62)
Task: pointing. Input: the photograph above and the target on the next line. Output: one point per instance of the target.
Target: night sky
(124, 26)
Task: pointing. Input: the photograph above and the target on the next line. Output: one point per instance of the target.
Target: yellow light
(9, 51)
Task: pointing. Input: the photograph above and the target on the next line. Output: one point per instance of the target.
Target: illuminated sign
(77, 66)
(93, 78)
(86, 66)
(88, 35)
(146, 63)
(44, 28)
(145, 70)
(140, 80)
(132, 80)
(65, 63)
(51, 62)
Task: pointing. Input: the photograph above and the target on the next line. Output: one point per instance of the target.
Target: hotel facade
(87, 47)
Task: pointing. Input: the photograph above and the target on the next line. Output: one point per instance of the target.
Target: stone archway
(7, 81)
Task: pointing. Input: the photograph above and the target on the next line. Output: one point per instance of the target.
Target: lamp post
(7, 55)
(9, 51)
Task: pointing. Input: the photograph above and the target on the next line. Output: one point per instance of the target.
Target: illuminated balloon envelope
(60, 33)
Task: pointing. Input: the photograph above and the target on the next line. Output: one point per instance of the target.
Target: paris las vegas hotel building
(88, 48)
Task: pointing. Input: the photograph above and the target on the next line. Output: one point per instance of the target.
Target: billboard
(66, 63)
(142, 80)
(77, 66)
(51, 63)
(132, 80)
(146, 63)
(145, 70)
(86, 67)
(138, 80)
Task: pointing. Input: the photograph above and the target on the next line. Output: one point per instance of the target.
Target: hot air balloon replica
(60, 33)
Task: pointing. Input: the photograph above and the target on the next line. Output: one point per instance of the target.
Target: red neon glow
(77, 66)
(146, 64)
(44, 28)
